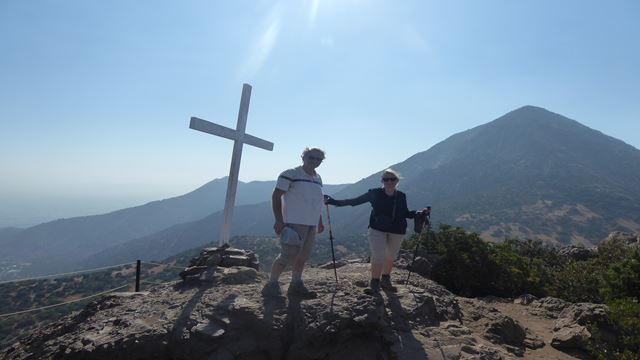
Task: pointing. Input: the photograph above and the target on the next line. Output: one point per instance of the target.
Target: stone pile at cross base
(223, 316)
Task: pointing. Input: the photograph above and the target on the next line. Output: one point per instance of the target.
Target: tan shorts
(384, 245)
(290, 254)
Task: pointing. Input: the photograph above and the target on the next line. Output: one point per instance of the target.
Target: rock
(226, 318)
(204, 266)
(579, 253)
(329, 265)
(573, 337)
(192, 271)
(631, 239)
(570, 330)
(505, 330)
(582, 314)
(525, 299)
(421, 265)
(239, 275)
(208, 329)
(497, 327)
(549, 307)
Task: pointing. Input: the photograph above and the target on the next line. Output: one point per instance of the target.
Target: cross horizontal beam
(231, 134)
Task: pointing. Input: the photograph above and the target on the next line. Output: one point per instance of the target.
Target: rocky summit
(225, 317)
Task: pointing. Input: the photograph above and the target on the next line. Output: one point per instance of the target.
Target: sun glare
(313, 11)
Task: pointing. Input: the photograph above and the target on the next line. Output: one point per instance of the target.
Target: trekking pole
(333, 254)
(415, 250)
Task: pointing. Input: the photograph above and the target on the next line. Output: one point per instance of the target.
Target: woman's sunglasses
(389, 179)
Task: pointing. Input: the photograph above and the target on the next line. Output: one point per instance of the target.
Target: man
(297, 204)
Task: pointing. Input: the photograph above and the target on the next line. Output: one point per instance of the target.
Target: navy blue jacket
(388, 213)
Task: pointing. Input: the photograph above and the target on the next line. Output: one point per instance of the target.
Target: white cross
(239, 137)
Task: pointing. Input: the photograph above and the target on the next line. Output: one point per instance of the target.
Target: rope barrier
(171, 266)
(64, 303)
(82, 272)
(154, 283)
(64, 274)
(85, 271)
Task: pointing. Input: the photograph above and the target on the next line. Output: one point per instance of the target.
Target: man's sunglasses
(311, 157)
(389, 179)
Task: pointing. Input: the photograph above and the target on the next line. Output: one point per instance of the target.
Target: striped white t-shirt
(303, 200)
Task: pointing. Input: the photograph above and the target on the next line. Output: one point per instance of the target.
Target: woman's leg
(391, 252)
(386, 267)
(377, 244)
(393, 244)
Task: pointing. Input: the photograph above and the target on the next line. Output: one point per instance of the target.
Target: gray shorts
(292, 253)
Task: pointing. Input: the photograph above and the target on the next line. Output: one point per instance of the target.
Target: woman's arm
(410, 214)
(353, 202)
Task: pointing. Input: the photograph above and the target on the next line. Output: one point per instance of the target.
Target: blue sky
(96, 96)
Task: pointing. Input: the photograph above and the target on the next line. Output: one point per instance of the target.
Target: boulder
(572, 337)
(549, 307)
(205, 265)
(631, 239)
(525, 299)
(579, 253)
(570, 329)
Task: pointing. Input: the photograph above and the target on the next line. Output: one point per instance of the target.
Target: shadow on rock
(400, 333)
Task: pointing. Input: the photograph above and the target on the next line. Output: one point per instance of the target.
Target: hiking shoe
(298, 289)
(271, 289)
(374, 287)
(385, 284)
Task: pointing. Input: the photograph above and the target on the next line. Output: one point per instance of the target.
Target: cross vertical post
(239, 138)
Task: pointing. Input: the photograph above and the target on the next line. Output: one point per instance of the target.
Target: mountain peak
(533, 114)
(503, 177)
(531, 109)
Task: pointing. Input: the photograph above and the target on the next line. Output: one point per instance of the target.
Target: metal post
(137, 275)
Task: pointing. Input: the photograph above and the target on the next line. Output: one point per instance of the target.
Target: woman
(387, 226)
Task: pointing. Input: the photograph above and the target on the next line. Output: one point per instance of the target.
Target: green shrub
(624, 325)
(469, 266)
(622, 277)
(577, 281)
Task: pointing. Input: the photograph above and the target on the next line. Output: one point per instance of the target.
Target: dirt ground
(540, 326)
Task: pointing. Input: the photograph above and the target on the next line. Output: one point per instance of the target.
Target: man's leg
(276, 270)
(308, 233)
(286, 257)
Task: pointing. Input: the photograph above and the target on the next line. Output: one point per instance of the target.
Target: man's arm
(320, 227)
(276, 206)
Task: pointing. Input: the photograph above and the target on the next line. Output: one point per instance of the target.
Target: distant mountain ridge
(529, 174)
(46, 247)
